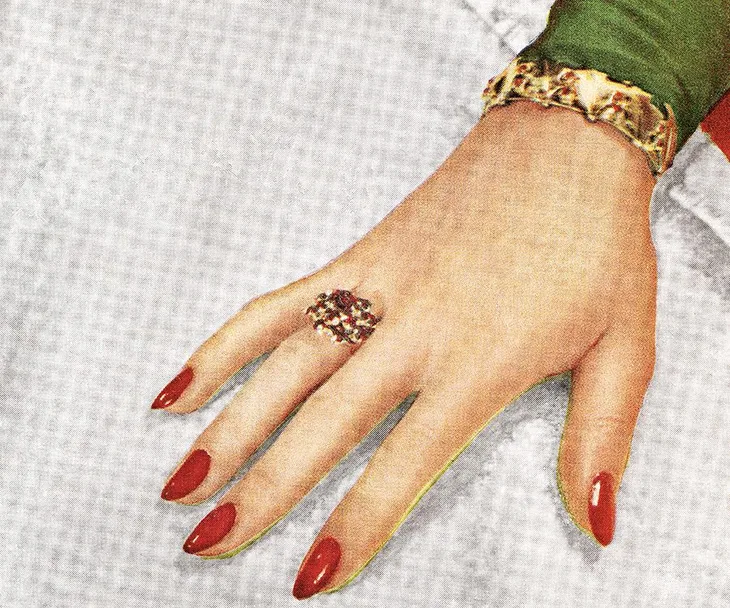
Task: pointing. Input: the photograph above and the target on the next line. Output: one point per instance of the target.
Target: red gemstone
(344, 299)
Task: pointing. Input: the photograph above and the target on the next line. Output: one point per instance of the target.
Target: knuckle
(414, 437)
(264, 480)
(423, 430)
(612, 425)
(253, 304)
(289, 349)
(390, 451)
(289, 356)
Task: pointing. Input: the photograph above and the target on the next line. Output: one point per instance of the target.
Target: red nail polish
(173, 390)
(211, 529)
(317, 571)
(602, 508)
(188, 477)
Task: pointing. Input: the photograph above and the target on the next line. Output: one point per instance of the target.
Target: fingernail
(317, 571)
(188, 477)
(211, 529)
(602, 508)
(173, 390)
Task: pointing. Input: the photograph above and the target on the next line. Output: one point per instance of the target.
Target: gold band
(594, 94)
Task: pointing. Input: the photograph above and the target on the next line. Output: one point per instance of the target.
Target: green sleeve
(677, 50)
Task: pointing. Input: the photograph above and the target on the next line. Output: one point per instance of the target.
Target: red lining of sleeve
(717, 124)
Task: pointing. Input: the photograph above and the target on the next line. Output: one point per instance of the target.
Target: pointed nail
(602, 508)
(317, 571)
(173, 390)
(188, 477)
(211, 529)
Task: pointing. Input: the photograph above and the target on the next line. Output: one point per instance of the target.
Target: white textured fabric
(163, 162)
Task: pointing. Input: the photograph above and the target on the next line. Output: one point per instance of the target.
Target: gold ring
(342, 316)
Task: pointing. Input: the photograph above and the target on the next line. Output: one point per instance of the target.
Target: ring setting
(342, 316)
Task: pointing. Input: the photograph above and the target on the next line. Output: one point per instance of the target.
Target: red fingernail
(173, 390)
(317, 571)
(188, 477)
(211, 529)
(602, 508)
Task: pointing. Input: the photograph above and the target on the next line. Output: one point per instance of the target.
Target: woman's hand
(526, 254)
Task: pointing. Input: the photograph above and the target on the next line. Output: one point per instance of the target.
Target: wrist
(676, 51)
(627, 108)
(561, 158)
(557, 134)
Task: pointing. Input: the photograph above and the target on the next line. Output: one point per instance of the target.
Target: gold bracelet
(594, 94)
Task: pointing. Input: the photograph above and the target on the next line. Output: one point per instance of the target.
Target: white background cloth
(161, 163)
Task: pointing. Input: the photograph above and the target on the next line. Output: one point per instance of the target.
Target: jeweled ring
(342, 316)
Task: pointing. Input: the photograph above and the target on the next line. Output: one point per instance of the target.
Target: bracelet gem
(592, 93)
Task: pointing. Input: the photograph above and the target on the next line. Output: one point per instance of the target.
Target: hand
(526, 254)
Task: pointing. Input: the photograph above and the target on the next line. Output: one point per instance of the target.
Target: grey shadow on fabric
(674, 217)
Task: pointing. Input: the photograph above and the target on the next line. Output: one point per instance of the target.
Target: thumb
(607, 390)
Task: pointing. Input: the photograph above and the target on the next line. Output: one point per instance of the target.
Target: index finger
(254, 330)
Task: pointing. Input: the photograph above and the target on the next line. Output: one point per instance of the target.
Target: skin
(526, 254)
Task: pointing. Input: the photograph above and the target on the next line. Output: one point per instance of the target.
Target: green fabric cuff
(679, 51)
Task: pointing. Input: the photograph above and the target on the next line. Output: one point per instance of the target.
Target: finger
(257, 328)
(439, 426)
(300, 364)
(608, 388)
(329, 424)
